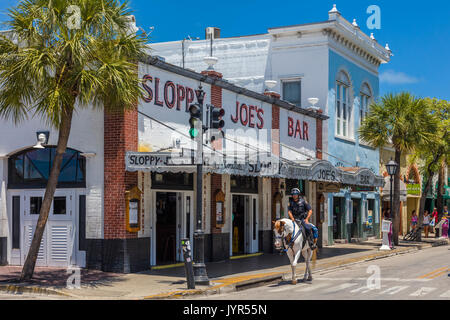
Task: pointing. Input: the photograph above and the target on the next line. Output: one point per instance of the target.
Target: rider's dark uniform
(300, 211)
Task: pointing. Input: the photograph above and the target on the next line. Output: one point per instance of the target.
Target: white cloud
(397, 77)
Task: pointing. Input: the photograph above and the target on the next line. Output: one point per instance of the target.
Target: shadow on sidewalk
(258, 263)
(57, 277)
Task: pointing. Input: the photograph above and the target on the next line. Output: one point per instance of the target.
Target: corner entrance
(244, 235)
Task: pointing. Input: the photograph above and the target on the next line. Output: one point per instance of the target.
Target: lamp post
(391, 168)
(200, 275)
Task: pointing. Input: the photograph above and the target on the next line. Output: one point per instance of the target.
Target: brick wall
(319, 154)
(216, 184)
(121, 135)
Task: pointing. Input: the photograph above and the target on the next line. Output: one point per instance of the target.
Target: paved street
(420, 275)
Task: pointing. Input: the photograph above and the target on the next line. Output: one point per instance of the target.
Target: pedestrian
(445, 225)
(413, 220)
(434, 218)
(426, 222)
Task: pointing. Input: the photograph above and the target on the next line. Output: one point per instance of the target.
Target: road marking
(308, 288)
(438, 274)
(445, 295)
(433, 272)
(340, 287)
(364, 279)
(394, 290)
(422, 291)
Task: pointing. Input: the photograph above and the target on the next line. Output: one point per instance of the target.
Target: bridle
(291, 242)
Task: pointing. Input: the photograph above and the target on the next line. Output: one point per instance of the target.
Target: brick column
(319, 146)
(219, 241)
(121, 135)
(120, 250)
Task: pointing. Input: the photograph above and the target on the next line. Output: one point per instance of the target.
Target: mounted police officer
(300, 212)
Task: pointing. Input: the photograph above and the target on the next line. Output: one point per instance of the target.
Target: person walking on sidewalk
(434, 216)
(413, 220)
(300, 211)
(426, 222)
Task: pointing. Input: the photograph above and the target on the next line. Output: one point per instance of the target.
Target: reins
(293, 238)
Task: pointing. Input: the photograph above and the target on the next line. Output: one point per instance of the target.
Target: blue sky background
(418, 32)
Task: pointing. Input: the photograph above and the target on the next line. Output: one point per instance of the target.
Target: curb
(20, 289)
(277, 276)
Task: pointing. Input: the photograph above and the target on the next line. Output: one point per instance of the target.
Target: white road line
(445, 295)
(340, 287)
(422, 291)
(359, 289)
(312, 287)
(394, 290)
(363, 279)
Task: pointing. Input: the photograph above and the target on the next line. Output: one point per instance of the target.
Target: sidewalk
(170, 283)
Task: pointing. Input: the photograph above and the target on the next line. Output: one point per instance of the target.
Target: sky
(418, 32)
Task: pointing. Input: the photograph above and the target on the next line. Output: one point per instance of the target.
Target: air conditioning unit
(212, 32)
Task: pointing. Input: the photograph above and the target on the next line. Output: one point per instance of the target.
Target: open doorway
(239, 212)
(166, 227)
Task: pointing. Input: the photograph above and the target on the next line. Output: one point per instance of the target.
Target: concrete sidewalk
(171, 282)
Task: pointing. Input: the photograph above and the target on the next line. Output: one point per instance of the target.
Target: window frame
(365, 99)
(344, 111)
(292, 80)
(41, 183)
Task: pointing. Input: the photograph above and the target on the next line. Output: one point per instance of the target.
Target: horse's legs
(305, 255)
(293, 265)
(308, 263)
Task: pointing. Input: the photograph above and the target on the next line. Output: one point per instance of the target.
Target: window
(292, 91)
(171, 181)
(364, 104)
(343, 109)
(244, 184)
(31, 169)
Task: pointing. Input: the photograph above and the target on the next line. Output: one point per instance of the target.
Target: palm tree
(433, 155)
(402, 121)
(62, 55)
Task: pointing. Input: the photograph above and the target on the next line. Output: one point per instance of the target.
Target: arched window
(31, 169)
(343, 108)
(365, 100)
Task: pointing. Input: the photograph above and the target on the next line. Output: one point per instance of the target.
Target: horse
(289, 235)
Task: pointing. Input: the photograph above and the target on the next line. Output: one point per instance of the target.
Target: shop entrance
(173, 217)
(338, 218)
(244, 235)
(59, 241)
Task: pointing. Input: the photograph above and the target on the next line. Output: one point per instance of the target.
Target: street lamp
(200, 275)
(391, 168)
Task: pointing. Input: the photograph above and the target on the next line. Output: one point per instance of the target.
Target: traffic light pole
(200, 275)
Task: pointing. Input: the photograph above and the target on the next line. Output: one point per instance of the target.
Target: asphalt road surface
(423, 275)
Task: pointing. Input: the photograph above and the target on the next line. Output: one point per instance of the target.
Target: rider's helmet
(295, 192)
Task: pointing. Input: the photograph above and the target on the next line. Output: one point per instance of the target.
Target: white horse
(285, 231)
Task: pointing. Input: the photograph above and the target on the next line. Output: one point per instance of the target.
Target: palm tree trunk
(440, 188)
(63, 137)
(423, 198)
(396, 201)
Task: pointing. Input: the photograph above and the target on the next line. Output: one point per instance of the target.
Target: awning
(260, 165)
(387, 187)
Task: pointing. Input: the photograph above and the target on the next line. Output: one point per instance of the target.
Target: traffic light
(216, 122)
(194, 120)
